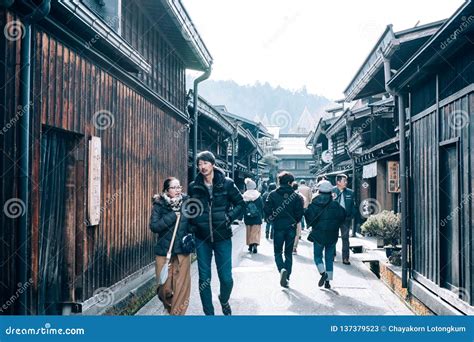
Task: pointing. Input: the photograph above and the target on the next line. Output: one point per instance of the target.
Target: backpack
(251, 210)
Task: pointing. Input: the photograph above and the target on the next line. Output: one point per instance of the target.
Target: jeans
(328, 264)
(284, 239)
(223, 253)
(345, 228)
(269, 229)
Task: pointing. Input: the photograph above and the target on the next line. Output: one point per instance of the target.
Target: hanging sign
(94, 182)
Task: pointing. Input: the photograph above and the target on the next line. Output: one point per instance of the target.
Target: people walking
(218, 203)
(268, 224)
(345, 197)
(172, 227)
(324, 215)
(253, 214)
(307, 194)
(284, 208)
(300, 223)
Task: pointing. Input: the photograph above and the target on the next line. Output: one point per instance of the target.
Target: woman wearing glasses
(167, 209)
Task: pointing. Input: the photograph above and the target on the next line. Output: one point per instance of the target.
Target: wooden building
(246, 153)
(435, 90)
(371, 123)
(215, 134)
(105, 97)
(294, 156)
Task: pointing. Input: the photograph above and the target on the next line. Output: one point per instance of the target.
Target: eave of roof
(180, 31)
(371, 71)
(433, 49)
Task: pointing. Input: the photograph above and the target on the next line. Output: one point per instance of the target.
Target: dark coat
(351, 210)
(324, 216)
(284, 208)
(225, 206)
(162, 221)
(253, 196)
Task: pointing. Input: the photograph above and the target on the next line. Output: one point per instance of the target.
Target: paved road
(355, 290)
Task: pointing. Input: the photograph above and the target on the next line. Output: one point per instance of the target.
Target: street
(355, 289)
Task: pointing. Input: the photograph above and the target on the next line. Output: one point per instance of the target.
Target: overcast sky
(312, 43)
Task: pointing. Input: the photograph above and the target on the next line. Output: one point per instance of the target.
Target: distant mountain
(294, 111)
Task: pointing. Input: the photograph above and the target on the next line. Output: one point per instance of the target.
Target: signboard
(326, 156)
(94, 182)
(393, 168)
(369, 170)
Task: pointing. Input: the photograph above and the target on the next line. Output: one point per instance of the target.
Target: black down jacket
(324, 216)
(212, 217)
(162, 221)
(284, 208)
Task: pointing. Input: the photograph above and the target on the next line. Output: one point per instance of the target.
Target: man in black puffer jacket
(284, 209)
(215, 203)
(324, 216)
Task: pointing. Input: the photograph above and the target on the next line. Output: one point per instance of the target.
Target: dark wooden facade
(434, 78)
(440, 94)
(76, 94)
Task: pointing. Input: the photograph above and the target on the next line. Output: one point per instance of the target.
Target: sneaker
(327, 285)
(284, 277)
(346, 262)
(324, 277)
(226, 309)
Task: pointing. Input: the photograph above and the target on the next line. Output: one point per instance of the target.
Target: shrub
(385, 224)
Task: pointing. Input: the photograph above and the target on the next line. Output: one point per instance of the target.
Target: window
(107, 10)
(287, 165)
(302, 165)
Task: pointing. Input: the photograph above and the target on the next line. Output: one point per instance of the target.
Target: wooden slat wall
(425, 192)
(168, 73)
(9, 153)
(138, 152)
(425, 206)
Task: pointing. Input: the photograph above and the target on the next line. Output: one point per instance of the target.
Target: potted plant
(386, 227)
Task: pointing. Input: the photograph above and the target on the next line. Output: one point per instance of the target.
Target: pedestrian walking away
(253, 214)
(345, 197)
(268, 224)
(218, 203)
(284, 208)
(173, 229)
(307, 194)
(324, 215)
(299, 225)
